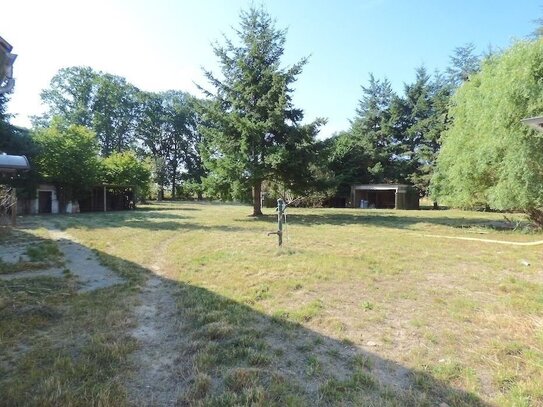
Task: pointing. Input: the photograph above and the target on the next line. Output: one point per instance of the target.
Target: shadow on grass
(378, 218)
(232, 355)
(169, 206)
(140, 219)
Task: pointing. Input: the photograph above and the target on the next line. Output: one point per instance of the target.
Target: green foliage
(13, 140)
(396, 138)
(17, 141)
(114, 109)
(68, 157)
(488, 156)
(127, 169)
(123, 117)
(463, 64)
(393, 138)
(167, 127)
(365, 154)
(70, 96)
(251, 128)
(103, 102)
(420, 117)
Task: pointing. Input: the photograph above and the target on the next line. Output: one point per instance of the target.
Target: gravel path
(80, 260)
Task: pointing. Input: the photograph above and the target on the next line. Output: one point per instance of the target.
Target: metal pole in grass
(280, 211)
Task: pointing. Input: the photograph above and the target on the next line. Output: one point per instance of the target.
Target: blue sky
(162, 44)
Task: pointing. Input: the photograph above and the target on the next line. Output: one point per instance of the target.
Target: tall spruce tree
(371, 130)
(538, 31)
(463, 63)
(419, 118)
(436, 123)
(368, 151)
(251, 128)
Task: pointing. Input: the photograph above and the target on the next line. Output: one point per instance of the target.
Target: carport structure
(9, 165)
(384, 196)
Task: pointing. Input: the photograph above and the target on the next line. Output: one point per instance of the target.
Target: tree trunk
(199, 195)
(436, 206)
(536, 216)
(174, 181)
(160, 195)
(174, 187)
(257, 202)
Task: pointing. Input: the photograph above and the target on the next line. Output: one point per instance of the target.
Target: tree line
(246, 135)
(159, 126)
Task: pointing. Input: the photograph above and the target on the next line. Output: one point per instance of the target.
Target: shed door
(45, 199)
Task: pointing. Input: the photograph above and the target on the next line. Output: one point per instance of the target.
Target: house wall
(400, 200)
(35, 208)
(26, 206)
(412, 199)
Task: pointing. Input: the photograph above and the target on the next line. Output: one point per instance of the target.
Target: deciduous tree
(488, 156)
(127, 169)
(68, 157)
(102, 102)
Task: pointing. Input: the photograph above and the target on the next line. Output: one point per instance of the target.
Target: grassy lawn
(361, 307)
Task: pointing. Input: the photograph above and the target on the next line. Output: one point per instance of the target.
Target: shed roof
(381, 187)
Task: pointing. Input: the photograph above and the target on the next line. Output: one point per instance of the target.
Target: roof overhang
(535, 123)
(13, 163)
(381, 187)
(5, 46)
(6, 66)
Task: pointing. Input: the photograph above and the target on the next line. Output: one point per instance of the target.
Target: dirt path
(79, 260)
(162, 372)
(84, 263)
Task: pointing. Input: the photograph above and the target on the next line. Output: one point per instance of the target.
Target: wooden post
(280, 211)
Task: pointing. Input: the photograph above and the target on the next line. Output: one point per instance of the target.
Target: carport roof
(12, 163)
(534, 122)
(381, 187)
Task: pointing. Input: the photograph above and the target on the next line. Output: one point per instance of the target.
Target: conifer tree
(251, 129)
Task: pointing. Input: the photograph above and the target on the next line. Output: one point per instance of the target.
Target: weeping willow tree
(488, 156)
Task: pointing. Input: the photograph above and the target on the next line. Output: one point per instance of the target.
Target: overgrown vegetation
(58, 347)
(489, 156)
(247, 134)
(388, 313)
